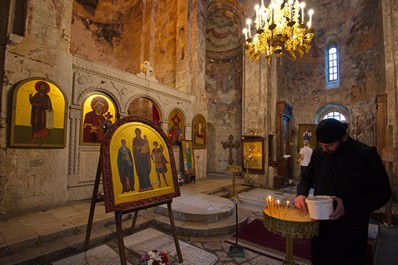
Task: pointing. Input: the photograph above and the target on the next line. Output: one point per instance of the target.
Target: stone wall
(223, 81)
(357, 28)
(32, 178)
(66, 44)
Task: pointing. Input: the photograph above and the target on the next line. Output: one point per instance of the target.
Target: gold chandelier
(279, 26)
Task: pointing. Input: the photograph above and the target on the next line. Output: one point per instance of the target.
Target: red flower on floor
(155, 257)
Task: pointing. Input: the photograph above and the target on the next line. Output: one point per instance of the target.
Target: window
(335, 115)
(332, 67)
(333, 64)
(333, 110)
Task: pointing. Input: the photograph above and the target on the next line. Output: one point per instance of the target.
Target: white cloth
(306, 153)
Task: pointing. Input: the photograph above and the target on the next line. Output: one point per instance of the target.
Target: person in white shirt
(305, 153)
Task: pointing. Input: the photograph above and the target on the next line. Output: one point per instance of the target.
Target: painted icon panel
(138, 165)
(99, 113)
(38, 115)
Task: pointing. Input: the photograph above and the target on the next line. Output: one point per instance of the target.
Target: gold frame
(253, 154)
(50, 126)
(188, 162)
(150, 176)
(181, 124)
(88, 112)
(199, 132)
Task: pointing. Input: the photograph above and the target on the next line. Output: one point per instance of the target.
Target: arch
(145, 107)
(91, 90)
(333, 106)
(224, 25)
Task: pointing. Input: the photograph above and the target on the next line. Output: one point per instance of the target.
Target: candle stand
(234, 170)
(284, 223)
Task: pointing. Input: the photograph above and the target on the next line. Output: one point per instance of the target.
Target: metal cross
(230, 145)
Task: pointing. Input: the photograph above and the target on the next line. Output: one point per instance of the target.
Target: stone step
(66, 243)
(203, 229)
(200, 215)
(198, 207)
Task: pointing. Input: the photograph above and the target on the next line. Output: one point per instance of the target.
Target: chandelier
(280, 26)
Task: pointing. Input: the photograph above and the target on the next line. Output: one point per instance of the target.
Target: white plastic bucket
(319, 207)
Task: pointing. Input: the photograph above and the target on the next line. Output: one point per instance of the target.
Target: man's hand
(299, 202)
(339, 212)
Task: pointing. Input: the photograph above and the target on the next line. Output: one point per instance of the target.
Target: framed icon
(253, 154)
(137, 164)
(199, 131)
(307, 132)
(188, 157)
(176, 128)
(99, 113)
(38, 115)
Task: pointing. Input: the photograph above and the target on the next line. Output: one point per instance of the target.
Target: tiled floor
(21, 232)
(62, 225)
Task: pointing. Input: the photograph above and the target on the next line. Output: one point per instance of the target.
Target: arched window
(333, 110)
(335, 115)
(332, 67)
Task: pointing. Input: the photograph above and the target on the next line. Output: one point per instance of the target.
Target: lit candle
(269, 204)
(264, 18)
(291, 9)
(310, 13)
(248, 22)
(245, 32)
(277, 207)
(302, 12)
(273, 11)
(256, 7)
(287, 204)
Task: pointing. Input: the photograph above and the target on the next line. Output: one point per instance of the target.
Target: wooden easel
(118, 220)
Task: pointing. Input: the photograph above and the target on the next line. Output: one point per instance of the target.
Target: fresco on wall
(38, 115)
(99, 113)
(176, 128)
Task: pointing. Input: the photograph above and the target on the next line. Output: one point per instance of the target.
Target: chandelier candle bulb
(279, 27)
(273, 13)
(310, 13)
(245, 32)
(302, 12)
(248, 22)
(256, 7)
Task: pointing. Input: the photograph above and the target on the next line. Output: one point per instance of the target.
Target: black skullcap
(330, 131)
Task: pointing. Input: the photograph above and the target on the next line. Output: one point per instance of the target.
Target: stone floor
(44, 234)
